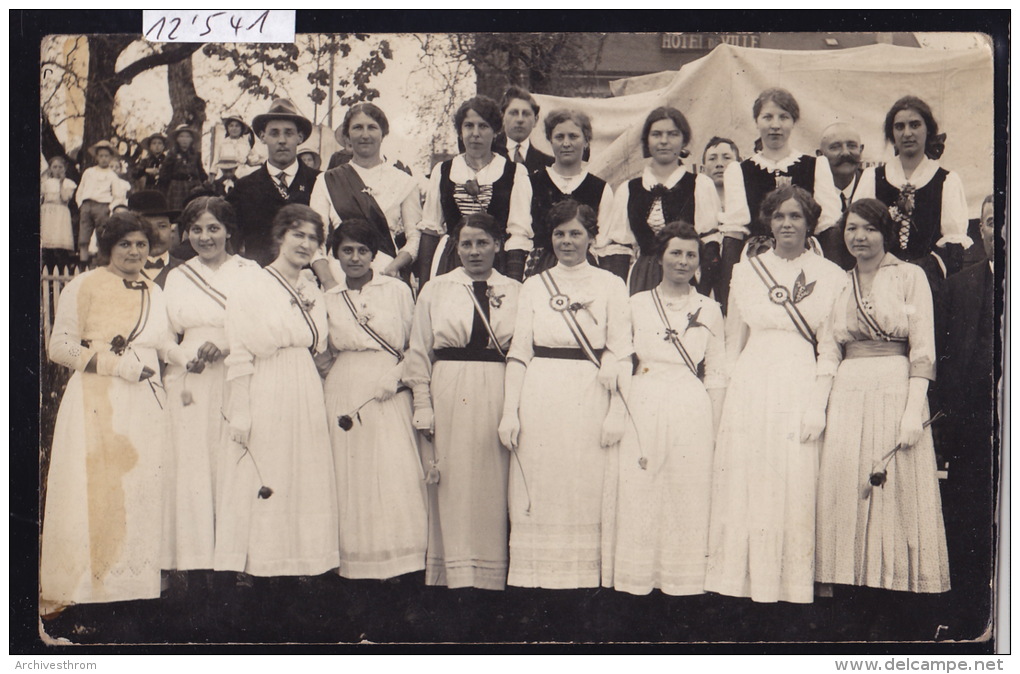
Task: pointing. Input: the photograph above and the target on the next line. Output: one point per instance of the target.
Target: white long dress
(663, 505)
(54, 217)
(563, 493)
(379, 480)
(468, 507)
(294, 531)
(198, 431)
(101, 534)
(762, 524)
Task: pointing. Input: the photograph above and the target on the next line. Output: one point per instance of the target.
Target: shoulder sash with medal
(561, 303)
(362, 321)
(671, 334)
(863, 310)
(782, 296)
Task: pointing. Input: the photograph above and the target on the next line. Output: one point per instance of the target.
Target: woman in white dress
(278, 511)
(456, 367)
(369, 188)
(762, 523)
(887, 531)
(56, 237)
(666, 453)
(562, 413)
(379, 481)
(477, 181)
(101, 536)
(196, 295)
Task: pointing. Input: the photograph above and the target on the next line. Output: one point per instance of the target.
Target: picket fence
(53, 282)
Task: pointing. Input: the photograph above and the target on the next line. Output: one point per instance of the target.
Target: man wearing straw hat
(98, 194)
(280, 181)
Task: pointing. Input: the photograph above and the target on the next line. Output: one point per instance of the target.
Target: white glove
(424, 419)
(609, 374)
(509, 430)
(386, 387)
(612, 429)
(129, 368)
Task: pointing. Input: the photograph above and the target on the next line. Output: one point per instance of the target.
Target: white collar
(512, 145)
(780, 165)
(291, 170)
(922, 175)
(648, 179)
(165, 257)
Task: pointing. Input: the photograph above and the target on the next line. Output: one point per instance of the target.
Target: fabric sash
(561, 303)
(672, 335)
(868, 319)
(203, 285)
(369, 330)
(350, 198)
(299, 303)
(781, 295)
(143, 313)
(485, 321)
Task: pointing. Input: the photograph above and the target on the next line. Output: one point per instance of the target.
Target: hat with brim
(227, 164)
(235, 118)
(181, 128)
(103, 144)
(150, 203)
(148, 141)
(318, 159)
(282, 108)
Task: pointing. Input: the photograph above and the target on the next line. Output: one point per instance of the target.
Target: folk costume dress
(746, 185)
(641, 208)
(101, 536)
(929, 211)
(549, 188)
(501, 188)
(762, 524)
(666, 454)
(384, 196)
(273, 329)
(454, 365)
(563, 489)
(380, 485)
(54, 216)
(889, 536)
(196, 298)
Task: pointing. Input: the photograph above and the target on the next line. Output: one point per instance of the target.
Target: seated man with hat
(151, 205)
(280, 181)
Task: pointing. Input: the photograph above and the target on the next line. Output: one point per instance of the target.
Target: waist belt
(457, 353)
(565, 354)
(875, 348)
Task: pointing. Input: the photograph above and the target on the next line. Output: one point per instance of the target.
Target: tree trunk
(188, 108)
(101, 90)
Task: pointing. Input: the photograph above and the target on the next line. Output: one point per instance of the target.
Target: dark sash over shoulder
(351, 199)
(672, 335)
(864, 311)
(299, 302)
(561, 304)
(203, 285)
(782, 296)
(362, 322)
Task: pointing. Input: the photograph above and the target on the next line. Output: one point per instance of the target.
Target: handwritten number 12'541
(174, 24)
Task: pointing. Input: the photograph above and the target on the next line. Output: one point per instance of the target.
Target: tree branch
(173, 54)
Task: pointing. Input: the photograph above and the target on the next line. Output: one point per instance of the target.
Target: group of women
(556, 433)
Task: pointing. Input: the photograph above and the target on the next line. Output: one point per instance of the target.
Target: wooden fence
(53, 282)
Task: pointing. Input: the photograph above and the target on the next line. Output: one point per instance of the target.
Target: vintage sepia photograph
(664, 339)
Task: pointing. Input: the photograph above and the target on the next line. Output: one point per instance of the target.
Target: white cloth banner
(856, 86)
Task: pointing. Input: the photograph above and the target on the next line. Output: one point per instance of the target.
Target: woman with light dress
(666, 453)
(879, 508)
(56, 236)
(476, 181)
(569, 132)
(762, 522)
(101, 536)
(563, 415)
(379, 480)
(664, 192)
(278, 514)
(196, 295)
(369, 188)
(456, 367)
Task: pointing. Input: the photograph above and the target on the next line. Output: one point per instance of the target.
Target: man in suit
(841, 145)
(966, 337)
(282, 180)
(151, 205)
(520, 114)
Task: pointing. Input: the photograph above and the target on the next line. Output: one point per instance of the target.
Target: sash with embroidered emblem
(560, 303)
(782, 296)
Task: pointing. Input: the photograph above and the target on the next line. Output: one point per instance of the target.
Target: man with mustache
(841, 145)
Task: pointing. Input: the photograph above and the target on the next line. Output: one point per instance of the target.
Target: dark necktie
(842, 199)
(155, 264)
(281, 185)
(479, 335)
(518, 157)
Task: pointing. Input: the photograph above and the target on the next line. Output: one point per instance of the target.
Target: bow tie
(659, 191)
(134, 285)
(158, 263)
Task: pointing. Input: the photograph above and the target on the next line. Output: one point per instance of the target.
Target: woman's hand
(392, 270)
(209, 352)
(424, 420)
(911, 428)
(386, 388)
(129, 368)
(509, 430)
(240, 429)
(612, 429)
(196, 365)
(812, 424)
(609, 374)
